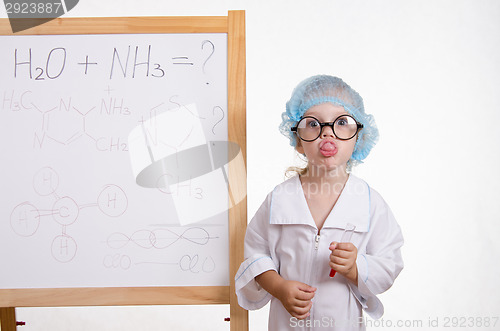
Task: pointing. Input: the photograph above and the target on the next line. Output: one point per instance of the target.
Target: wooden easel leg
(8, 319)
(237, 133)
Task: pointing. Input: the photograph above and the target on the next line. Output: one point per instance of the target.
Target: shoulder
(287, 196)
(290, 186)
(285, 193)
(380, 213)
(279, 193)
(374, 196)
(286, 204)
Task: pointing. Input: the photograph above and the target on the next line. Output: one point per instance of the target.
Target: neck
(322, 174)
(325, 179)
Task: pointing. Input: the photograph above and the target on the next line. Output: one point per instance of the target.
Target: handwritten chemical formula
(68, 105)
(126, 62)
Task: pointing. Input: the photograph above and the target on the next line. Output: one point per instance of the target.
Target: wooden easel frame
(234, 26)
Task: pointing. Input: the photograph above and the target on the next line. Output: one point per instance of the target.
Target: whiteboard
(72, 212)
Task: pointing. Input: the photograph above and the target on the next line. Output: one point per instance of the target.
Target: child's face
(327, 152)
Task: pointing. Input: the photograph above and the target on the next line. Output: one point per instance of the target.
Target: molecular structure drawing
(25, 217)
(162, 239)
(67, 121)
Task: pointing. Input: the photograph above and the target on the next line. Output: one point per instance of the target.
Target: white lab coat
(282, 236)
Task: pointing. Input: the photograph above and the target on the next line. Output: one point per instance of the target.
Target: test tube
(346, 237)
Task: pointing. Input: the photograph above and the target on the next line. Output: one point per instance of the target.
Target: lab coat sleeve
(257, 260)
(379, 266)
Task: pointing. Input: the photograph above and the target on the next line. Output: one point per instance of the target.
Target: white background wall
(429, 72)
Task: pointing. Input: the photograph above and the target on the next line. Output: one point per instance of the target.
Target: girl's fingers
(338, 262)
(302, 312)
(341, 254)
(306, 288)
(302, 303)
(301, 317)
(343, 246)
(304, 296)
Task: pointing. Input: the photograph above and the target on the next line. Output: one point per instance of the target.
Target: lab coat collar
(289, 205)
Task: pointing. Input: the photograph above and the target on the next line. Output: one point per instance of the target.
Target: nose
(327, 132)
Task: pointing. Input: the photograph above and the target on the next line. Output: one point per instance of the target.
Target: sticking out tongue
(328, 149)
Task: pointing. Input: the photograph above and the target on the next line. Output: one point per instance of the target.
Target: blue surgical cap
(322, 89)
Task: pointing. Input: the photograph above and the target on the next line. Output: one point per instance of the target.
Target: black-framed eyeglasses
(344, 127)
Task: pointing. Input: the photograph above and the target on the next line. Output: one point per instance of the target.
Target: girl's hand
(296, 298)
(343, 260)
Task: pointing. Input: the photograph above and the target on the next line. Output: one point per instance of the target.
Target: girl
(292, 242)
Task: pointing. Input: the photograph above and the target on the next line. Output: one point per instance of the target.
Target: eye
(342, 121)
(313, 124)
